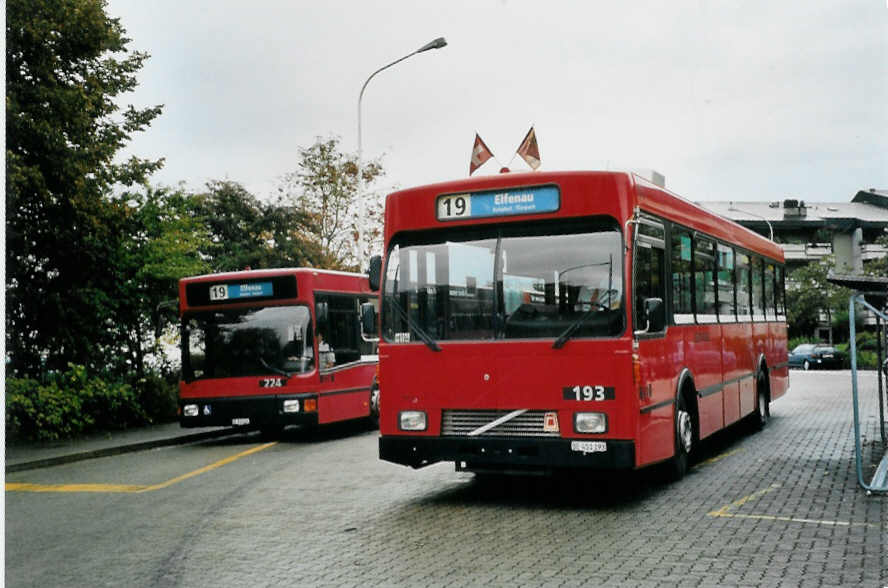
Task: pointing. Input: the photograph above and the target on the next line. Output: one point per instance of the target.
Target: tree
(66, 63)
(808, 293)
(325, 187)
(244, 232)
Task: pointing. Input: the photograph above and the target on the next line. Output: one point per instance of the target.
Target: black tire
(762, 413)
(685, 438)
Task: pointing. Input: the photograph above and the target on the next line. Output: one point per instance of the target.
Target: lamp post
(732, 208)
(435, 44)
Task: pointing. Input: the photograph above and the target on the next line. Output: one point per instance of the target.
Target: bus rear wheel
(684, 440)
(762, 413)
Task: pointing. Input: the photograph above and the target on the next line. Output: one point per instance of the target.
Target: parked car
(815, 355)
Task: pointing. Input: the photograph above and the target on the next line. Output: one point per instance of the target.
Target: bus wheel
(374, 406)
(684, 440)
(762, 406)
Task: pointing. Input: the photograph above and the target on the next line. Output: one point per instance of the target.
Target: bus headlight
(412, 420)
(590, 422)
(291, 406)
(190, 410)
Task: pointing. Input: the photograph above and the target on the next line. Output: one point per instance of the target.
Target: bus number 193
(588, 393)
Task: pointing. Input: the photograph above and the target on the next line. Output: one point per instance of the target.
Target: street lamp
(435, 44)
(732, 208)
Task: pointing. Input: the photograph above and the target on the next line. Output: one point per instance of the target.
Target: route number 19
(454, 206)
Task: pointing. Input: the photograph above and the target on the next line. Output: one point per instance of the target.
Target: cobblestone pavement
(775, 508)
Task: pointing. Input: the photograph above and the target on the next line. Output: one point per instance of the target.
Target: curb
(117, 450)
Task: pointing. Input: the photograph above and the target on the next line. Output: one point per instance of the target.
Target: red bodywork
(342, 392)
(512, 375)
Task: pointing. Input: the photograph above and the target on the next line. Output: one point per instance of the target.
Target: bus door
(346, 359)
(656, 353)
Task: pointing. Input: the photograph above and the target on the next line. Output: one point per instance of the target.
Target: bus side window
(649, 282)
(781, 293)
(682, 301)
(339, 338)
(727, 307)
(744, 309)
(704, 280)
(758, 294)
(770, 302)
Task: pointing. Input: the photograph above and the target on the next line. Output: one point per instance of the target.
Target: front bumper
(504, 453)
(252, 411)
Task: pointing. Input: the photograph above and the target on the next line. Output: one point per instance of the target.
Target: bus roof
(258, 273)
(616, 193)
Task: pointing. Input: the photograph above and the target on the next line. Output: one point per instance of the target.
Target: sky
(748, 101)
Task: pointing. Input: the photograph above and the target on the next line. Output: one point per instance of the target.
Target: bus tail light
(310, 405)
(590, 422)
(636, 375)
(412, 420)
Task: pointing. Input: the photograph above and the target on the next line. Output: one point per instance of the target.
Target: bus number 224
(588, 393)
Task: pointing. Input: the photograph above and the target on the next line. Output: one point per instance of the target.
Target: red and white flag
(480, 154)
(529, 150)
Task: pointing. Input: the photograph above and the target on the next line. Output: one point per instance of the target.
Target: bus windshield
(521, 281)
(247, 342)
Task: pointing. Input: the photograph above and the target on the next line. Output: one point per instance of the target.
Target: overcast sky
(751, 100)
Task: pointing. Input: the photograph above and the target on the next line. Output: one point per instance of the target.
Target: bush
(69, 404)
(158, 395)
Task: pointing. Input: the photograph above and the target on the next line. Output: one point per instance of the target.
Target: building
(809, 232)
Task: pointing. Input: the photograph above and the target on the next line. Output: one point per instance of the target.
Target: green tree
(166, 243)
(66, 64)
(808, 293)
(245, 232)
(325, 187)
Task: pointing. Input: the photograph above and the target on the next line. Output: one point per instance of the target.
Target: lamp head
(436, 44)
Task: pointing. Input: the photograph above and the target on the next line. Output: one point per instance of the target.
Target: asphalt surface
(781, 507)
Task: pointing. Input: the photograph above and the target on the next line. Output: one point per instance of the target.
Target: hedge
(72, 403)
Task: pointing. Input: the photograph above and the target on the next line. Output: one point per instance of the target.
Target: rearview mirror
(375, 272)
(653, 315)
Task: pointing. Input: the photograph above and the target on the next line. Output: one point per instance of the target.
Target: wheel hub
(685, 430)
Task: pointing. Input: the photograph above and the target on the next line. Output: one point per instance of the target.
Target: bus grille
(459, 423)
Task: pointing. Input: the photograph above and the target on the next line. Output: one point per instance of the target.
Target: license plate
(589, 446)
(239, 422)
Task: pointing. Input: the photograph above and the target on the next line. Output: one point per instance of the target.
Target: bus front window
(248, 342)
(507, 282)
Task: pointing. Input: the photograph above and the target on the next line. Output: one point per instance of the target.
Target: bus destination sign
(220, 292)
(512, 201)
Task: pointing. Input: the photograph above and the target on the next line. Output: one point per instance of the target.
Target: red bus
(545, 321)
(270, 348)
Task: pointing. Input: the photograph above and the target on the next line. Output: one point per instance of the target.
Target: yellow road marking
(725, 512)
(129, 488)
(719, 457)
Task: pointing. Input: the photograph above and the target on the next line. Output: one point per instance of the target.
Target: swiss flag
(529, 150)
(480, 154)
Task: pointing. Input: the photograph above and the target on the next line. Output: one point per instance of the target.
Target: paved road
(776, 508)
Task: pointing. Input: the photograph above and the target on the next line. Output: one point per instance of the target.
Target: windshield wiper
(575, 326)
(424, 337)
(274, 369)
